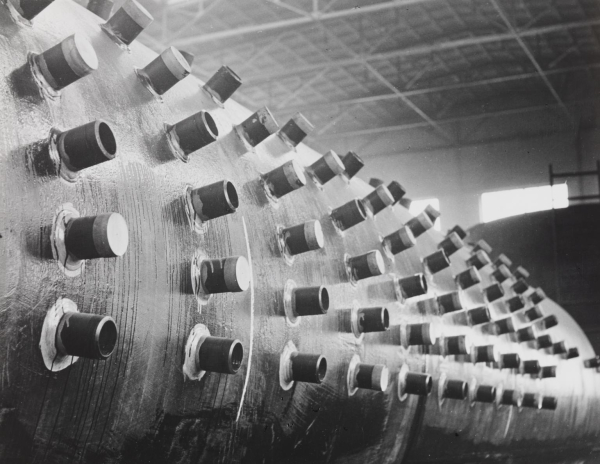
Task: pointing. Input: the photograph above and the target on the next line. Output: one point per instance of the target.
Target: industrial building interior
(453, 98)
(415, 279)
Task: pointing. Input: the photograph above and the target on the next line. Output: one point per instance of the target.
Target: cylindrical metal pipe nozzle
(457, 345)
(493, 292)
(510, 361)
(195, 131)
(129, 21)
(534, 313)
(520, 286)
(502, 259)
(327, 167)
(218, 354)
(468, 278)
(451, 244)
(501, 273)
(379, 199)
(420, 224)
(310, 301)
(259, 126)
(367, 265)
(420, 334)
(515, 303)
(456, 389)
(459, 231)
(397, 190)
(485, 394)
(225, 274)
(545, 341)
(480, 315)
(166, 70)
(90, 336)
(304, 237)
(102, 236)
(349, 214)
(373, 320)
(412, 286)
(548, 372)
(478, 259)
(483, 246)
(372, 376)
(400, 240)
(526, 334)
(449, 302)
(296, 129)
(418, 384)
(352, 163)
(521, 273)
(87, 145)
(285, 179)
(311, 368)
(531, 366)
(223, 84)
(215, 200)
(505, 325)
(436, 261)
(486, 353)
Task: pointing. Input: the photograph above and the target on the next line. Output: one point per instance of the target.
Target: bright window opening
(506, 203)
(417, 206)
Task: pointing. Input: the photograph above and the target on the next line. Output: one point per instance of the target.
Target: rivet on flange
(222, 84)
(127, 23)
(451, 244)
(295, 130)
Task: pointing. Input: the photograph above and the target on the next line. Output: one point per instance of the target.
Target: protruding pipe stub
(485, 394)
(29, 9)
(451, 244)
(459, 231)
(223, 275)
(285, 179)
(375, 182)
(457, 345)
(102, 236)
(502, 259)
(397, 190)
(531, 400)
(479, 259)
(86, 146)
(533, 314)
(573, 353)
(480, 315)
(485, 353)
(367, 265)
(521, 273)
(128, 22)
(352, 164)
(531, 366)
(549, 321)
(418, 384)
(166, 70)
(422, 334)
(89, 336)
(510, 361)
(482, 245)
(258, 126)
(101, 8)
(501, 273)
(511, 398)
(405, 202)
(592, 362)
(373, 320)
(559, 348)
(379, 199)
(549, 402)
(195, 131)
(544, 341)
(526, 334)
(412, 286)
(296, 129)
(520, 286)
(436, 261)
(223, 84)
(219, 354)
(493, 292)
(456, 390)
(371, 377)
(67, 62)
(215, 200)
(537, 296)
(548, 372)
(310, 368)
(515, 303)
(433, 213)
(303, 237)
(399, 241)
(505, 325)
(310, 301)
(349, 214)
(449, 302)
(468, 278)
(420, 224)
(327, 167)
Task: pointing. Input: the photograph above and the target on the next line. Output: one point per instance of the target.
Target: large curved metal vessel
(308, 322)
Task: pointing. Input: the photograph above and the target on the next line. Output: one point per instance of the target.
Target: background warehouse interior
(453, 98)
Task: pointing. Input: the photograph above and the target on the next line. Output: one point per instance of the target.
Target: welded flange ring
(71, 266)
(283, 248)
(285, 366)
(192, 347)
(291, 316)
(197, 225)
(202, 295)
(351, 378)
(45, 87)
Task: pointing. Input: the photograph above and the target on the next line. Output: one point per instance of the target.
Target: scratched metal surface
(136, 407)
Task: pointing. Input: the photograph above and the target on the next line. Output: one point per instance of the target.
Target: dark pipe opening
(107, 338)
(324, 298)
(232, 195)
(321, 368)
(107, 138)
(210, 124)
(386, 319)
(237, 354)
